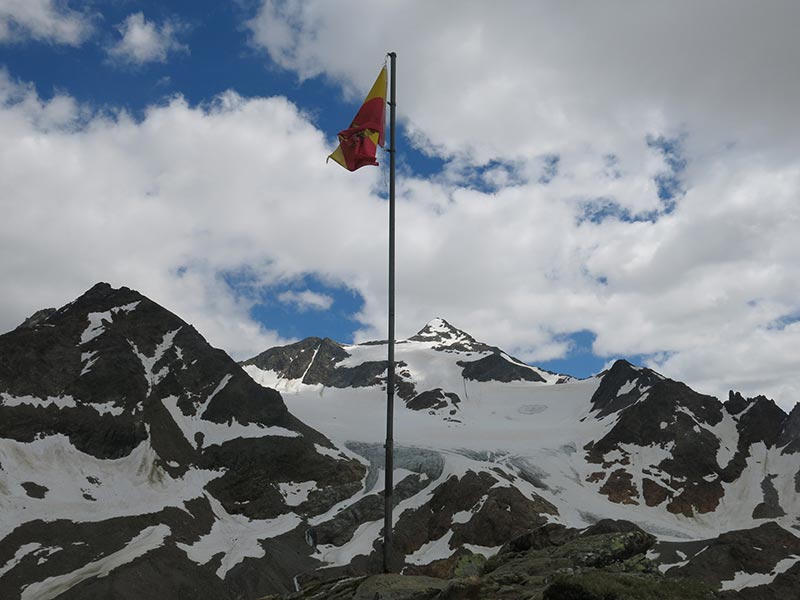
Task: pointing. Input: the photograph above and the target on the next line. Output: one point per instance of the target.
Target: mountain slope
(136, 461)
(625, 444)
(130, 447)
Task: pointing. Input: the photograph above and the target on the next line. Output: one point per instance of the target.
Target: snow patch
(131, 485)
(149, 362)
(433, 550)
(330, 452)
(96, 324)
(59, 401)
(743, 579)
(294, 494)
(89, 358)
(108, 408)
(486, 551)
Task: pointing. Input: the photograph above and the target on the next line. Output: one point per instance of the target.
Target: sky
(577, 181)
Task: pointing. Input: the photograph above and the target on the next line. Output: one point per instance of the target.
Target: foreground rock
(605, 562)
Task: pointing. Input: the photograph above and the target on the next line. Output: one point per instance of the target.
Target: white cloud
(306, 300)
(478, 81)
(480, 84)
(43, 20)
(144, 41)
(170, 204)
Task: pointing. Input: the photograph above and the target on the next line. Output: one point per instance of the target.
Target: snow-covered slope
(625, 444)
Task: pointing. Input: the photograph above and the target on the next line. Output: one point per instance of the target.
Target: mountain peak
(447, 337)
(438, 324)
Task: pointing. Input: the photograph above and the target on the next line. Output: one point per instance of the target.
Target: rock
(756, 550)
(599, 585)
(37, 318)
(399, 587)
(546, 536)
(789, 438)
(496, 367)
(436, 399)
(604, 526)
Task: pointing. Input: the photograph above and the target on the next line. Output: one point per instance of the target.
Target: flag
(358, 144)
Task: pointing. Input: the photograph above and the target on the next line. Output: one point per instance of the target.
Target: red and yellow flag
(358, 144)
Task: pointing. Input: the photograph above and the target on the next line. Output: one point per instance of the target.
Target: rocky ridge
(605, 562)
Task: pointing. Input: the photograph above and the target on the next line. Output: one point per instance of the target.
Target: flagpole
(389, 487)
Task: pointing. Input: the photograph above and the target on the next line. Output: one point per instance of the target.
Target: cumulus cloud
(480, 82)
(43, 20)
(560, 127)
(145, 41)
(306, 300)
(654, 183)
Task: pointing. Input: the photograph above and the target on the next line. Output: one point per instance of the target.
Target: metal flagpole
(389, 487)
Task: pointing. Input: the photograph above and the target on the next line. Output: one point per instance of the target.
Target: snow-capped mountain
(626, 444)
(136, 461)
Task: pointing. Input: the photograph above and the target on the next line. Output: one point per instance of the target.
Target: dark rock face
(40, 316)
(751, 551)
(653, 411)
(34, 490)
(496, 368)
(112, 374)
(314, 360)
(436, 399)
(770, 508)
(546, 536)
(789, 438)
(611, 396)
(762, 422)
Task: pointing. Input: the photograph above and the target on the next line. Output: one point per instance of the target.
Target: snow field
(127, 486)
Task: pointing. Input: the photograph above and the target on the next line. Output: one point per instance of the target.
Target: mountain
(438, 353)
(627, 444)
(137, 461)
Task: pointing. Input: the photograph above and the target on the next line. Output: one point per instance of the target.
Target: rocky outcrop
(753, 564)
(315, 360)
(495, 367)
(604, 562)
(436, 399)
(654, 412)
(789, 438)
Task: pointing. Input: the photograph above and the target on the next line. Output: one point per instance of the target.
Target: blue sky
(575, 183)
